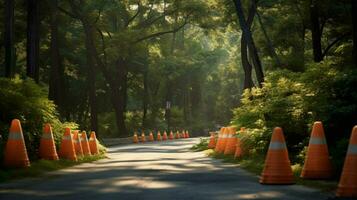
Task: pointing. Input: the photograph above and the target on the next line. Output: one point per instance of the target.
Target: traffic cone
(231, 141)
(212, 141)
(85, 144)
(187, 134)
(239, 149)
(15, 149)
(47, 149)
(143, 137)
(67, 150)
(77, 143)
(277, 169)
(223, 143)
(183, 134)
(93, 144)
(158, 138)
(348, 181)
(171, 136)
(135, 138)
(151, 137)
(219, 139)
(164, 137)
(317, 163)
(177, 135)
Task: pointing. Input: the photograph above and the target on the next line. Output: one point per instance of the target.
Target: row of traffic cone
(277, 167)
(71, 146)
(159, 137)
(226, 141)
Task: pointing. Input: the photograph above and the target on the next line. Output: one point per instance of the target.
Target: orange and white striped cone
(239, 149)
(164, 136)
(151, 137)
(277, 168)
(212, 141)
(177, 135)
(219, 139)
(347, 186)
(67, 150)
(231, 142)
(15, 149)
(158, 137)
(85, 144)
(143, 137)
(77, 143)
(171, 136)
(317, 163)
(47, 149)
(187, 134)
(224, 137)
(135, 138)
(93, 144)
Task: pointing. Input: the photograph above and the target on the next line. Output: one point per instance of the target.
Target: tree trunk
(354, 24)
(315, 31)
(56, 81)
(249, 39)
(90, 53)
(145, 98)
(33, 23)
(9, 39)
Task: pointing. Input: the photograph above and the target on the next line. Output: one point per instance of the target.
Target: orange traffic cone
(219, 139)
(143, 137)
(158, 138)
(135, 138)
(231, 142)
(47, 149)
(183, 134)
(187, 134)
(15, 149)
(277, 169)
(67, 150)
(212, 141)
(164, 137)
(177, 135)
(317, 163)
(223, 143)
(239, 150)
(77, 143)
(171, 136)
(93, 144)
(348, 181)
(151, 137)
(85, 144)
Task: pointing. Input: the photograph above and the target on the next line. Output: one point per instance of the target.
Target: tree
(354, 25)
(33, 39)
(251, 46)
(316, 31)
(9, 39)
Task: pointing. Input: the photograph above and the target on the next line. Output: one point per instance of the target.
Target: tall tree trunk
(90, 54)
(145, 98)
(33, 39)
(354, 24)
(247, 67)
(9, 39)
(56, 81)
(316, 31)
(249, 39)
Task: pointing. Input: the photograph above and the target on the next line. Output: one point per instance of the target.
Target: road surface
(154, 171)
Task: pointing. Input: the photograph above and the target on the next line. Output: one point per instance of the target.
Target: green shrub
(293, 101)
(27, 101)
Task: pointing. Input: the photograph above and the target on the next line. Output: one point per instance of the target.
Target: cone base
(50, 157)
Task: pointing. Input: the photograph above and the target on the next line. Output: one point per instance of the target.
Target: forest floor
(166, 170)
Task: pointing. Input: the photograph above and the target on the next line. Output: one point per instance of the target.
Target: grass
(255, 165)
(40, 167)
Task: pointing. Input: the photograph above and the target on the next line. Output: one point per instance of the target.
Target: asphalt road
(154, 171)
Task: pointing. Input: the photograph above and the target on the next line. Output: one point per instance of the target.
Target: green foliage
(294, 101)
(27, 101)
(201, 146)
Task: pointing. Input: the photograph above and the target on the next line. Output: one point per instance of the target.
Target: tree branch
(333, 43)
(134, 16)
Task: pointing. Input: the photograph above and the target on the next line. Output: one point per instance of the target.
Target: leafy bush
(293, 101)
(27, 101)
